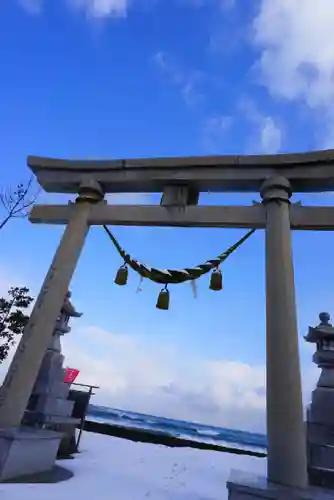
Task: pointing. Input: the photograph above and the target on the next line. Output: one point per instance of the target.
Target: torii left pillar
(22, 373)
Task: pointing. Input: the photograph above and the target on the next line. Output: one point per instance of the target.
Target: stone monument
(320, 414)
(49, 406)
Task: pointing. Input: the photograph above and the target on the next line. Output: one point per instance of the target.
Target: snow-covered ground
(117, 469)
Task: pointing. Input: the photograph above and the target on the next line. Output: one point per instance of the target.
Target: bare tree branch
(15, 202)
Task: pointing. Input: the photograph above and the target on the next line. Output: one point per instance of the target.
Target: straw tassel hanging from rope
(172, 276)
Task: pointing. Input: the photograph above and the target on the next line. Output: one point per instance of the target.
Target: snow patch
(116, 469)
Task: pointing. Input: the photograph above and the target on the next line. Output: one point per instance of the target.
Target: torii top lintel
(307, 172)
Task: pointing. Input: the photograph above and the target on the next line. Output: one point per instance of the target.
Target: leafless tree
(16, 202)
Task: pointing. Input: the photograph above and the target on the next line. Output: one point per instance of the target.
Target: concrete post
(22, 373)
(285, 428)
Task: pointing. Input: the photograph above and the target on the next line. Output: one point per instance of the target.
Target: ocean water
(178, 428)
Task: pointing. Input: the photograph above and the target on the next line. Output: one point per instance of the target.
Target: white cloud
(270, 136)
(100, 9)
(188, 81)
(160, 379)
(214, 132)
(265, 135)
(31, 6)
(157, 378)
(223, 4)
(97, 9)
(296, 39)
(138, 373)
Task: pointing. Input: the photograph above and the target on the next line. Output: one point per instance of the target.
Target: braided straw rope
(172, 276)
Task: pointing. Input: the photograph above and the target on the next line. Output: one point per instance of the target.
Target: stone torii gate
(181, 180)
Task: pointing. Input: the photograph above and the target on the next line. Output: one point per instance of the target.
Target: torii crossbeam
(302, 218)
(181, 180)
(306, 172)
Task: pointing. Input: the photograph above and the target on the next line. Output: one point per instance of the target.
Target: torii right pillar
(287, 461)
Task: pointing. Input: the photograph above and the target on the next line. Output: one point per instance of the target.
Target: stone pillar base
(68, 444)
(243, 486)
(25, 451)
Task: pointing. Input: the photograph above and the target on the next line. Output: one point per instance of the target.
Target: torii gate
(181, 180)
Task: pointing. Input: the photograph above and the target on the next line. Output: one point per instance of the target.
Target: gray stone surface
(323, 456)
(320, 433)
(26, 451)
(243, 486)
(57, 406)
(286, 462)
(308, 172)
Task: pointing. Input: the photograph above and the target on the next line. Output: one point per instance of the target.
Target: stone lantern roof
(323, 336)
(67, 311)
(323, 333)
(69, 308)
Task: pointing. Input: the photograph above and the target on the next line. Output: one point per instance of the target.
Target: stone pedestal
(49, 396)
(242, 486)
(25, 451)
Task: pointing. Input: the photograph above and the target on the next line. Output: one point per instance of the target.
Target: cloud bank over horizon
(151, 375)
(160, 379)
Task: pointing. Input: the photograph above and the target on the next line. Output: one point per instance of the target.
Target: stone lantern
(49, 406)
(320, 413)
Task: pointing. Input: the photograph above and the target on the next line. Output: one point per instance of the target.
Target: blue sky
(111, 79)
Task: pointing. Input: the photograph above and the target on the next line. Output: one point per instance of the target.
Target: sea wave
(208, 433)
(178, 428)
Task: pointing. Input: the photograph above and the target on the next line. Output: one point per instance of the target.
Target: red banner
(70, 375)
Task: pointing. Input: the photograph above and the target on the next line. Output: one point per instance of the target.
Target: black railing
(81, 400)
